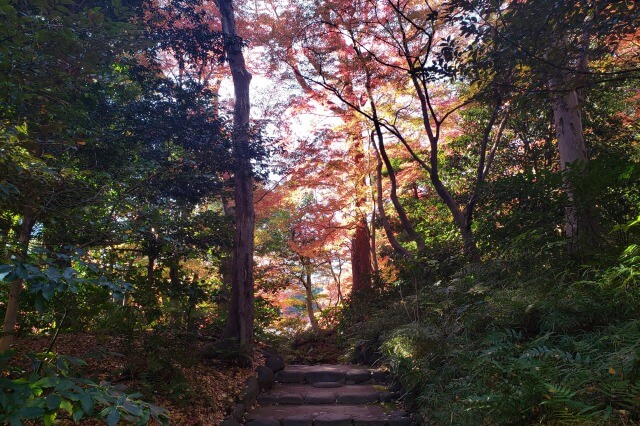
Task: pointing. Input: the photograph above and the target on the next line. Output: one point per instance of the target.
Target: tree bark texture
(372, 240)
(568, 123)
(241, 311)
(15, 288)
(360, 258)
(360, 242)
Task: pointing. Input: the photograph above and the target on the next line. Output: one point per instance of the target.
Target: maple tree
(374, 57)
(303, 234)
(353, 173)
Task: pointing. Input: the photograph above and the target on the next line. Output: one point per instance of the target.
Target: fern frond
(537, 352)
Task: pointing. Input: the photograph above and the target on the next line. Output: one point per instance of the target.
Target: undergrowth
(554, 342)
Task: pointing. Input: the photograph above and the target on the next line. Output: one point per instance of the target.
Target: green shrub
(51, 389)
(541, 340)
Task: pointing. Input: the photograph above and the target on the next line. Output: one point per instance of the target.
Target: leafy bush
(543, 339)
(52, 389)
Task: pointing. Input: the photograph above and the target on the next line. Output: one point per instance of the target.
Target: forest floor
(166, 370)
(322, 347)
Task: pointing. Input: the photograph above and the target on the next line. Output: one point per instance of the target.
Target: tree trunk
(397, 247)
(470, 247)
(382, 154)
(372, 241)
(570, 138)
(337, 278)
(579, 222)
(459, 218)
(360, 258)
(226, 263)
(15, 288)
(309, 298)
(241, 312)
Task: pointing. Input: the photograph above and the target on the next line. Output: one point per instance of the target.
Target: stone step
(327, 415)
(347, 373)
(344, 394)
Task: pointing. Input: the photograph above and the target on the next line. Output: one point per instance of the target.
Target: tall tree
(285, 22)
(54, 64)
(403, 54)
(241, 310)
(561, 54)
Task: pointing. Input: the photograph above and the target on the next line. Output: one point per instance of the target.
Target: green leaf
(5, 269)
(52, 273)
(132, 408)
(69, 273)
(66, 406)
(48, 291)
(77, 415)
(159, 414)
(14, 420)
(31, 412)
(48, 382)
(87, 403)
(50, 418)
(113, 417)
(65, 384)
(53, 401)
(21, 272)
(62, 365)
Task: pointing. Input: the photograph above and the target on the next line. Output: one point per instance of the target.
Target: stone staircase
(328, 395)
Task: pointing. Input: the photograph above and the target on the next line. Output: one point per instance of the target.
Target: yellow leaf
(66, 405)
(546, 396)
(612, 371)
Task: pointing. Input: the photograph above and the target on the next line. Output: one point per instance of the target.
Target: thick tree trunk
(579, 222)
(470, 247)
(226, 263)
(360, 258)
(15, 288)
(568, 123)
(360, 242)
(240, 321)
(241, 312)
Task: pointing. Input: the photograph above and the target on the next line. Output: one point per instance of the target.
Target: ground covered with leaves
(308, 347)
(169, 371)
